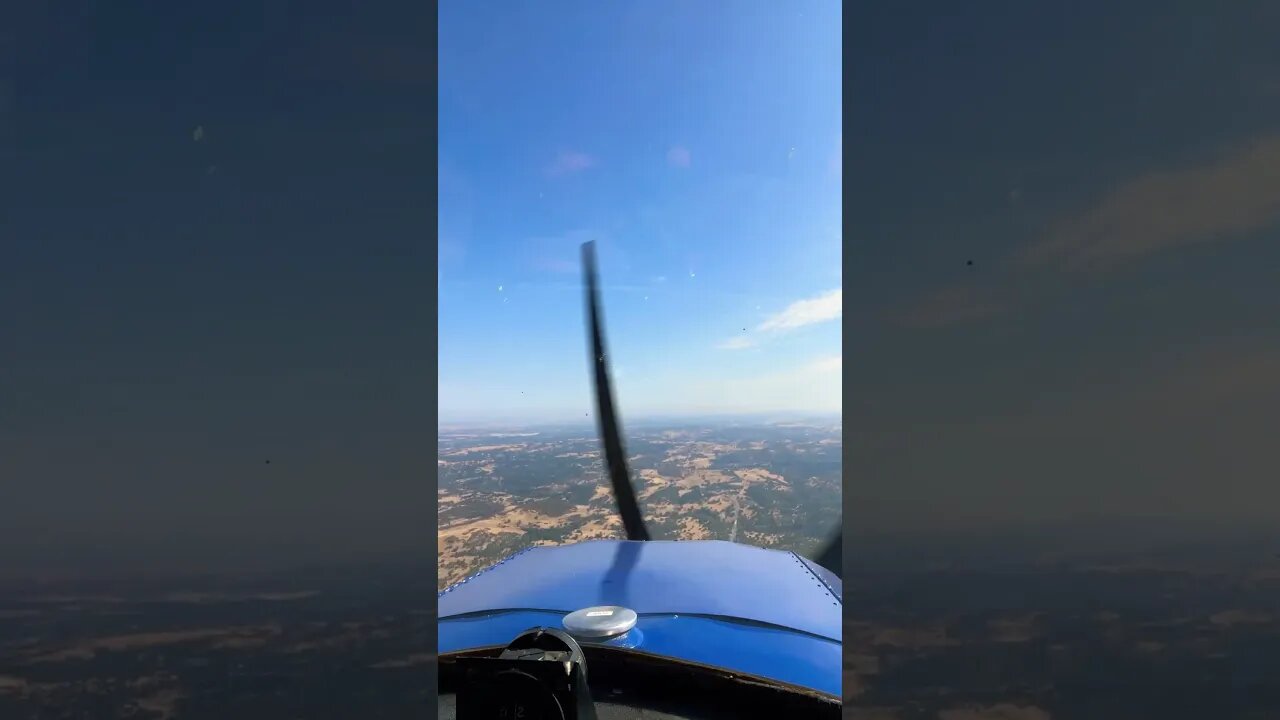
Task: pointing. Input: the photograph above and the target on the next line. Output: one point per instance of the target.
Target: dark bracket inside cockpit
(541, 675)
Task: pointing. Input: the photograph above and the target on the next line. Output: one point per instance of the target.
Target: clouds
(1234, 194)
(570, 162)
(678, 157)
(823, 308)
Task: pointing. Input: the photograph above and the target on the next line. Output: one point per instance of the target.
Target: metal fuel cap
(603, 621)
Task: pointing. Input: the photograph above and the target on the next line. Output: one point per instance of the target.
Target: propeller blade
(832, 554)
(606, 419)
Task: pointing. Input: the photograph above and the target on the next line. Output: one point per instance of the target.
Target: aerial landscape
(774, 485)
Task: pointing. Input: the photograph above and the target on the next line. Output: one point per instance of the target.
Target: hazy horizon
(496, 420)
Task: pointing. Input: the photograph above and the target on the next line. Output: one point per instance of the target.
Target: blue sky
(699, 145)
